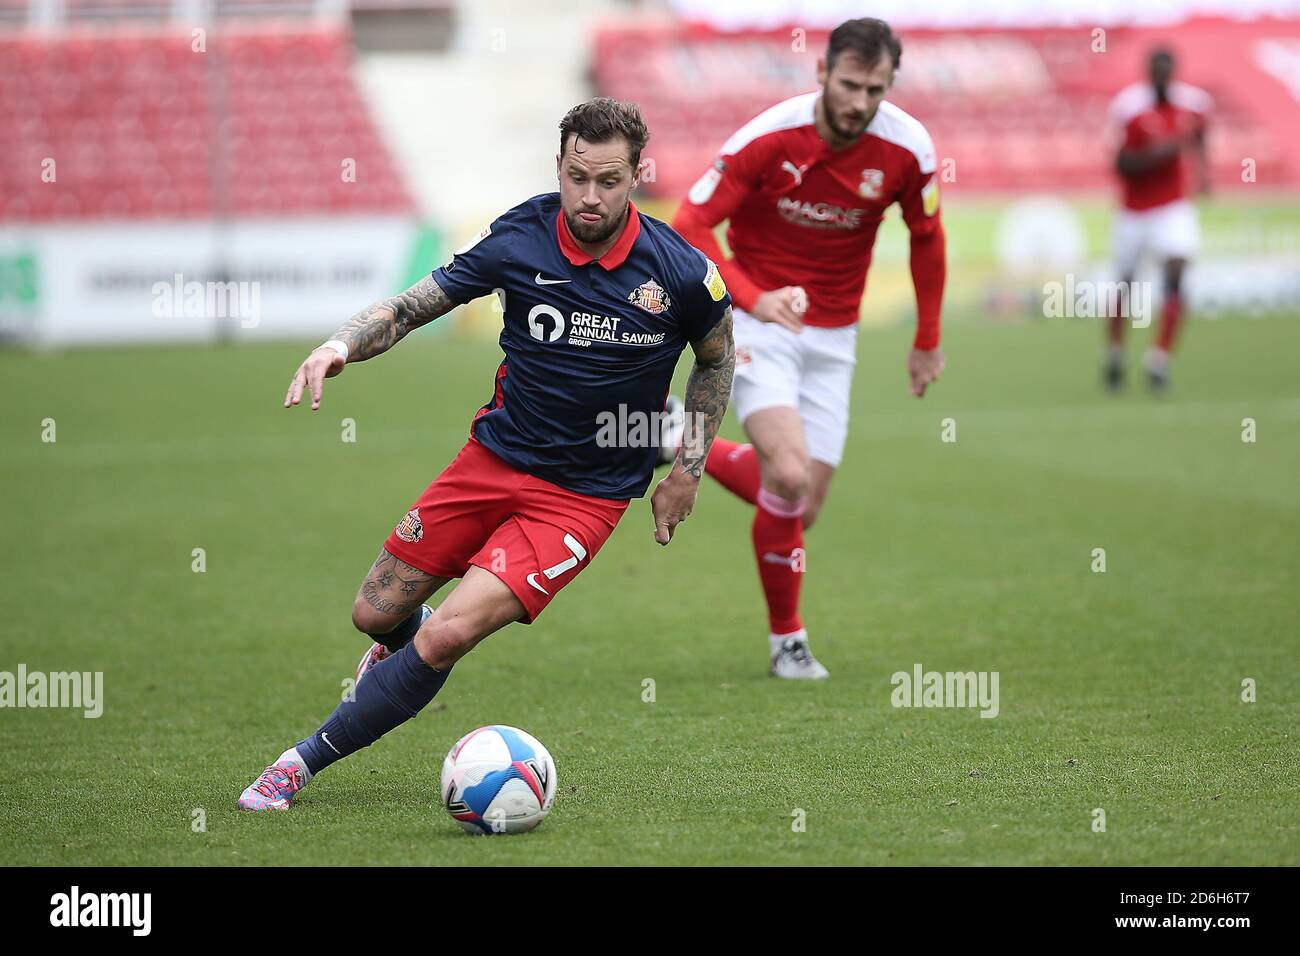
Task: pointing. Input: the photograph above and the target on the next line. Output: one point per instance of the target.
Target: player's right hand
(672, 501)
(923, 367)
(323, 363)
(784, 306)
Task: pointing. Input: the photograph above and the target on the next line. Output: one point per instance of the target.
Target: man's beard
(857, 130)
(838, 131)
(593, 232)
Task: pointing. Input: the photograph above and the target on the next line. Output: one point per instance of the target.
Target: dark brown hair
(603, 119)
(866, 38)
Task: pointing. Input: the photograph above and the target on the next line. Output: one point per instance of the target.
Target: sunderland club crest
(651, 297)
(410, 529)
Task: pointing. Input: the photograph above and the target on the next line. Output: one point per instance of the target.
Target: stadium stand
(1037, 122)
(142, 126)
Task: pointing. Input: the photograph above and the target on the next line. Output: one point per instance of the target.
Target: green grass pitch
(1119, 690)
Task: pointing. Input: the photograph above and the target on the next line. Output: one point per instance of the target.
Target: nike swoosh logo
(536, 585)
(326, 738)
(540, 281)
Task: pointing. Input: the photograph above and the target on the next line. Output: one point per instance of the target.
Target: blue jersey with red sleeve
(590, 344)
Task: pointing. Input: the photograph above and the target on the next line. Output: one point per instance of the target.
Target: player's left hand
(672, 501)
(923, 368)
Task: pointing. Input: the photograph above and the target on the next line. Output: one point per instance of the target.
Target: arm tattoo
(707, 394)
(380, 327)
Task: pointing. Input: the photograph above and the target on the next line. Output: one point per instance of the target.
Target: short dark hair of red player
(604, 119)
(866, 38)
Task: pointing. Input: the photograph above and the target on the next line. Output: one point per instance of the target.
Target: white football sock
(292, 756)
(1156, 360)
(777, 641)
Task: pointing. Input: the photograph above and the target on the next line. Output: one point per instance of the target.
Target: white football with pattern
(498, 779)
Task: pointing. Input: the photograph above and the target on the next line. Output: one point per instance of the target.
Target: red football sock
(1170, 314)
(735, 467)
(1117, 329)
(1118, 317)
(778, 546)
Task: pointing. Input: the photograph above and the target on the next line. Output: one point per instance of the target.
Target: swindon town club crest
(650, 296)
(872, 180)
(410, 529)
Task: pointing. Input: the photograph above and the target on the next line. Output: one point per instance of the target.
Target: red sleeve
(714, 197)
(919, 201)
(929, 269)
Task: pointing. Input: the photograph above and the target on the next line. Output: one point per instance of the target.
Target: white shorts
(1170, 231)
(811, 371)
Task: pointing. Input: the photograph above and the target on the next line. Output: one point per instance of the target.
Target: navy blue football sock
(401, 635)
(393, 691)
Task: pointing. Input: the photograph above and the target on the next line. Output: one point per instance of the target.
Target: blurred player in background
(1162, 128)
(599, 302)
(805, 186)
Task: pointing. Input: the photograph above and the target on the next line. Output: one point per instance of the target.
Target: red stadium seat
(132, 123)
(1040, 124)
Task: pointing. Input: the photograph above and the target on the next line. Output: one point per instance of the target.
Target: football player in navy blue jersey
(599, 302)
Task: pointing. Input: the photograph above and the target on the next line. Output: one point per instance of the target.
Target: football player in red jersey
(804, 187)
(1162, 128)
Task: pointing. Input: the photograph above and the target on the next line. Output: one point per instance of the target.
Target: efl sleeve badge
(930, 196)
(713, 282)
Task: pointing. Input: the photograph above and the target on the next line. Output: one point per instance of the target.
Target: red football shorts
(532, 534)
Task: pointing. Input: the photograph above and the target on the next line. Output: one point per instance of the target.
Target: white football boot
(792, 659)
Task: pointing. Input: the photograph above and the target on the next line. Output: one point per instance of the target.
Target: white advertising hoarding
(172, 282)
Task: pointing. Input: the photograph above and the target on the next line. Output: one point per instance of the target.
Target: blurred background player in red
(1162, 126)
(804, 186)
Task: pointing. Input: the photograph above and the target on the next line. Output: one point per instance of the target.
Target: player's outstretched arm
(383, 325)
(707, 393)
(368, 333)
